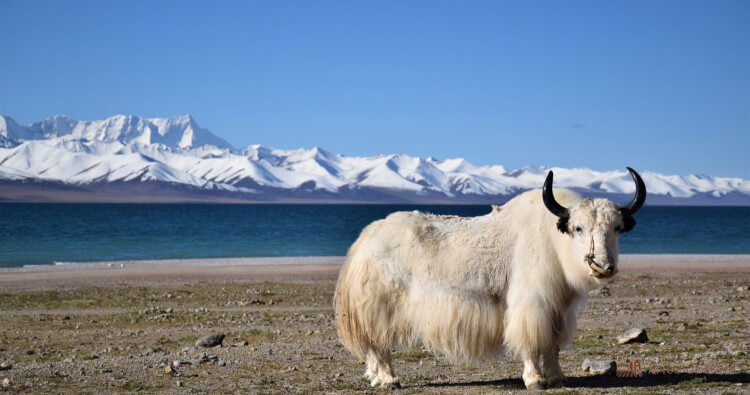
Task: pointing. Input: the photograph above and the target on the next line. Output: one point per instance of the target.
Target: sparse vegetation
(111, 339)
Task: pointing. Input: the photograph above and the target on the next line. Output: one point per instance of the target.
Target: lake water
(35, 233)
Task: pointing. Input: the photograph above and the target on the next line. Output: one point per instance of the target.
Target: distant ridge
(128, 158)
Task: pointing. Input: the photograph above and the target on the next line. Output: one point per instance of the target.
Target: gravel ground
(279, 336)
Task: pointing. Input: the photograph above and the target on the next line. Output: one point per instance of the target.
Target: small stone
(634, 335)
(66, 318)
(241, 344)
(169, 310)
(221, 363)
(68, 360)
(742, 289)
(6, 366)
(6, 382)
(169, 369)
(211, 340)
(664, 313)
(599, 367)
(180, 383)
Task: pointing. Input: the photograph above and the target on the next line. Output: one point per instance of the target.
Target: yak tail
(366, 306)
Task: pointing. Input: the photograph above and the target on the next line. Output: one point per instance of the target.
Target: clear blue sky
(657, 85)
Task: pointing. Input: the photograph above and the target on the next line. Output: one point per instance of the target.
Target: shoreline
(155, 273)
(626, 260)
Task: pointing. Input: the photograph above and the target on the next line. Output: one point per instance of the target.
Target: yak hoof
(536, 386)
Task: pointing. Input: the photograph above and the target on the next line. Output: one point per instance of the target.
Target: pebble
(599, 367)
(633, 335)
(179, 383)
(241, 344)
(221, 363)
(6, 382)
(664, 313)
(211, 340)
(6, 366)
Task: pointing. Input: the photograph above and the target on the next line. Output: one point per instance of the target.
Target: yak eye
(578, 229)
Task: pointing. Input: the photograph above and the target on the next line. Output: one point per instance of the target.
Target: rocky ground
(280, 337)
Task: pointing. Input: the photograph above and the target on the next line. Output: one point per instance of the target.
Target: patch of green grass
(258, 335)
(132, 385)
(691, 383)
(413, 355)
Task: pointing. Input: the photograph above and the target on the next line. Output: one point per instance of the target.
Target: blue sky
(657, 85)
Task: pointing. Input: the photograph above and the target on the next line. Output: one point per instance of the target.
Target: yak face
(596, 225)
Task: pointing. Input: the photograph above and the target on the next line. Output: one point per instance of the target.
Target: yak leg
(372, 365)
(551, 367)
(384, 372)
(532, 375)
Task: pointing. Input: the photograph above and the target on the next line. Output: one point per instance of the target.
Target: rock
(664, 313)
(241, 344)
(634, 335)
(211, 340)
(6, 382)
(6, 366)
(68, 360)
(221, 363)
(599, 367)
(169, 369)
(179, 383)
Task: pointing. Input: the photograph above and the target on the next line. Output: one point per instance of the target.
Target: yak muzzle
(600, 271)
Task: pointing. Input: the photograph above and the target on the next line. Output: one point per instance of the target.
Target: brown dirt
(108, 330)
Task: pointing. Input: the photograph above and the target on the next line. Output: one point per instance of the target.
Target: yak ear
(562, 224)
(628, 222)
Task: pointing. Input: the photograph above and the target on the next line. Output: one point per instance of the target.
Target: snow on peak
(178, 132)
(176, 150)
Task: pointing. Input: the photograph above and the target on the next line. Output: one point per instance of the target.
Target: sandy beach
(132, 326)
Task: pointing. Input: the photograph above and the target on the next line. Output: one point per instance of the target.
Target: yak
(475, 288)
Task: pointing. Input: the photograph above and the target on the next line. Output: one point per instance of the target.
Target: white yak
(470, 288)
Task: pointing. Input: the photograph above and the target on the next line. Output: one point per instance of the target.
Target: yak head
(595, 225)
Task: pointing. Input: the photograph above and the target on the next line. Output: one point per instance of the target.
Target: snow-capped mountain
(127, 157)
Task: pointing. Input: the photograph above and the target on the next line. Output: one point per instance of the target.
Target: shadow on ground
(646, 380)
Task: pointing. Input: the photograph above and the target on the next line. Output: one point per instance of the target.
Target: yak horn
(549, 200)
(640, 194)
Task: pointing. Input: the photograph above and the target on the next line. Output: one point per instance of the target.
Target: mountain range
(132, 159)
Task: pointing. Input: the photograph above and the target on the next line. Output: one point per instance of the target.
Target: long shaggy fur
(467, 288)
